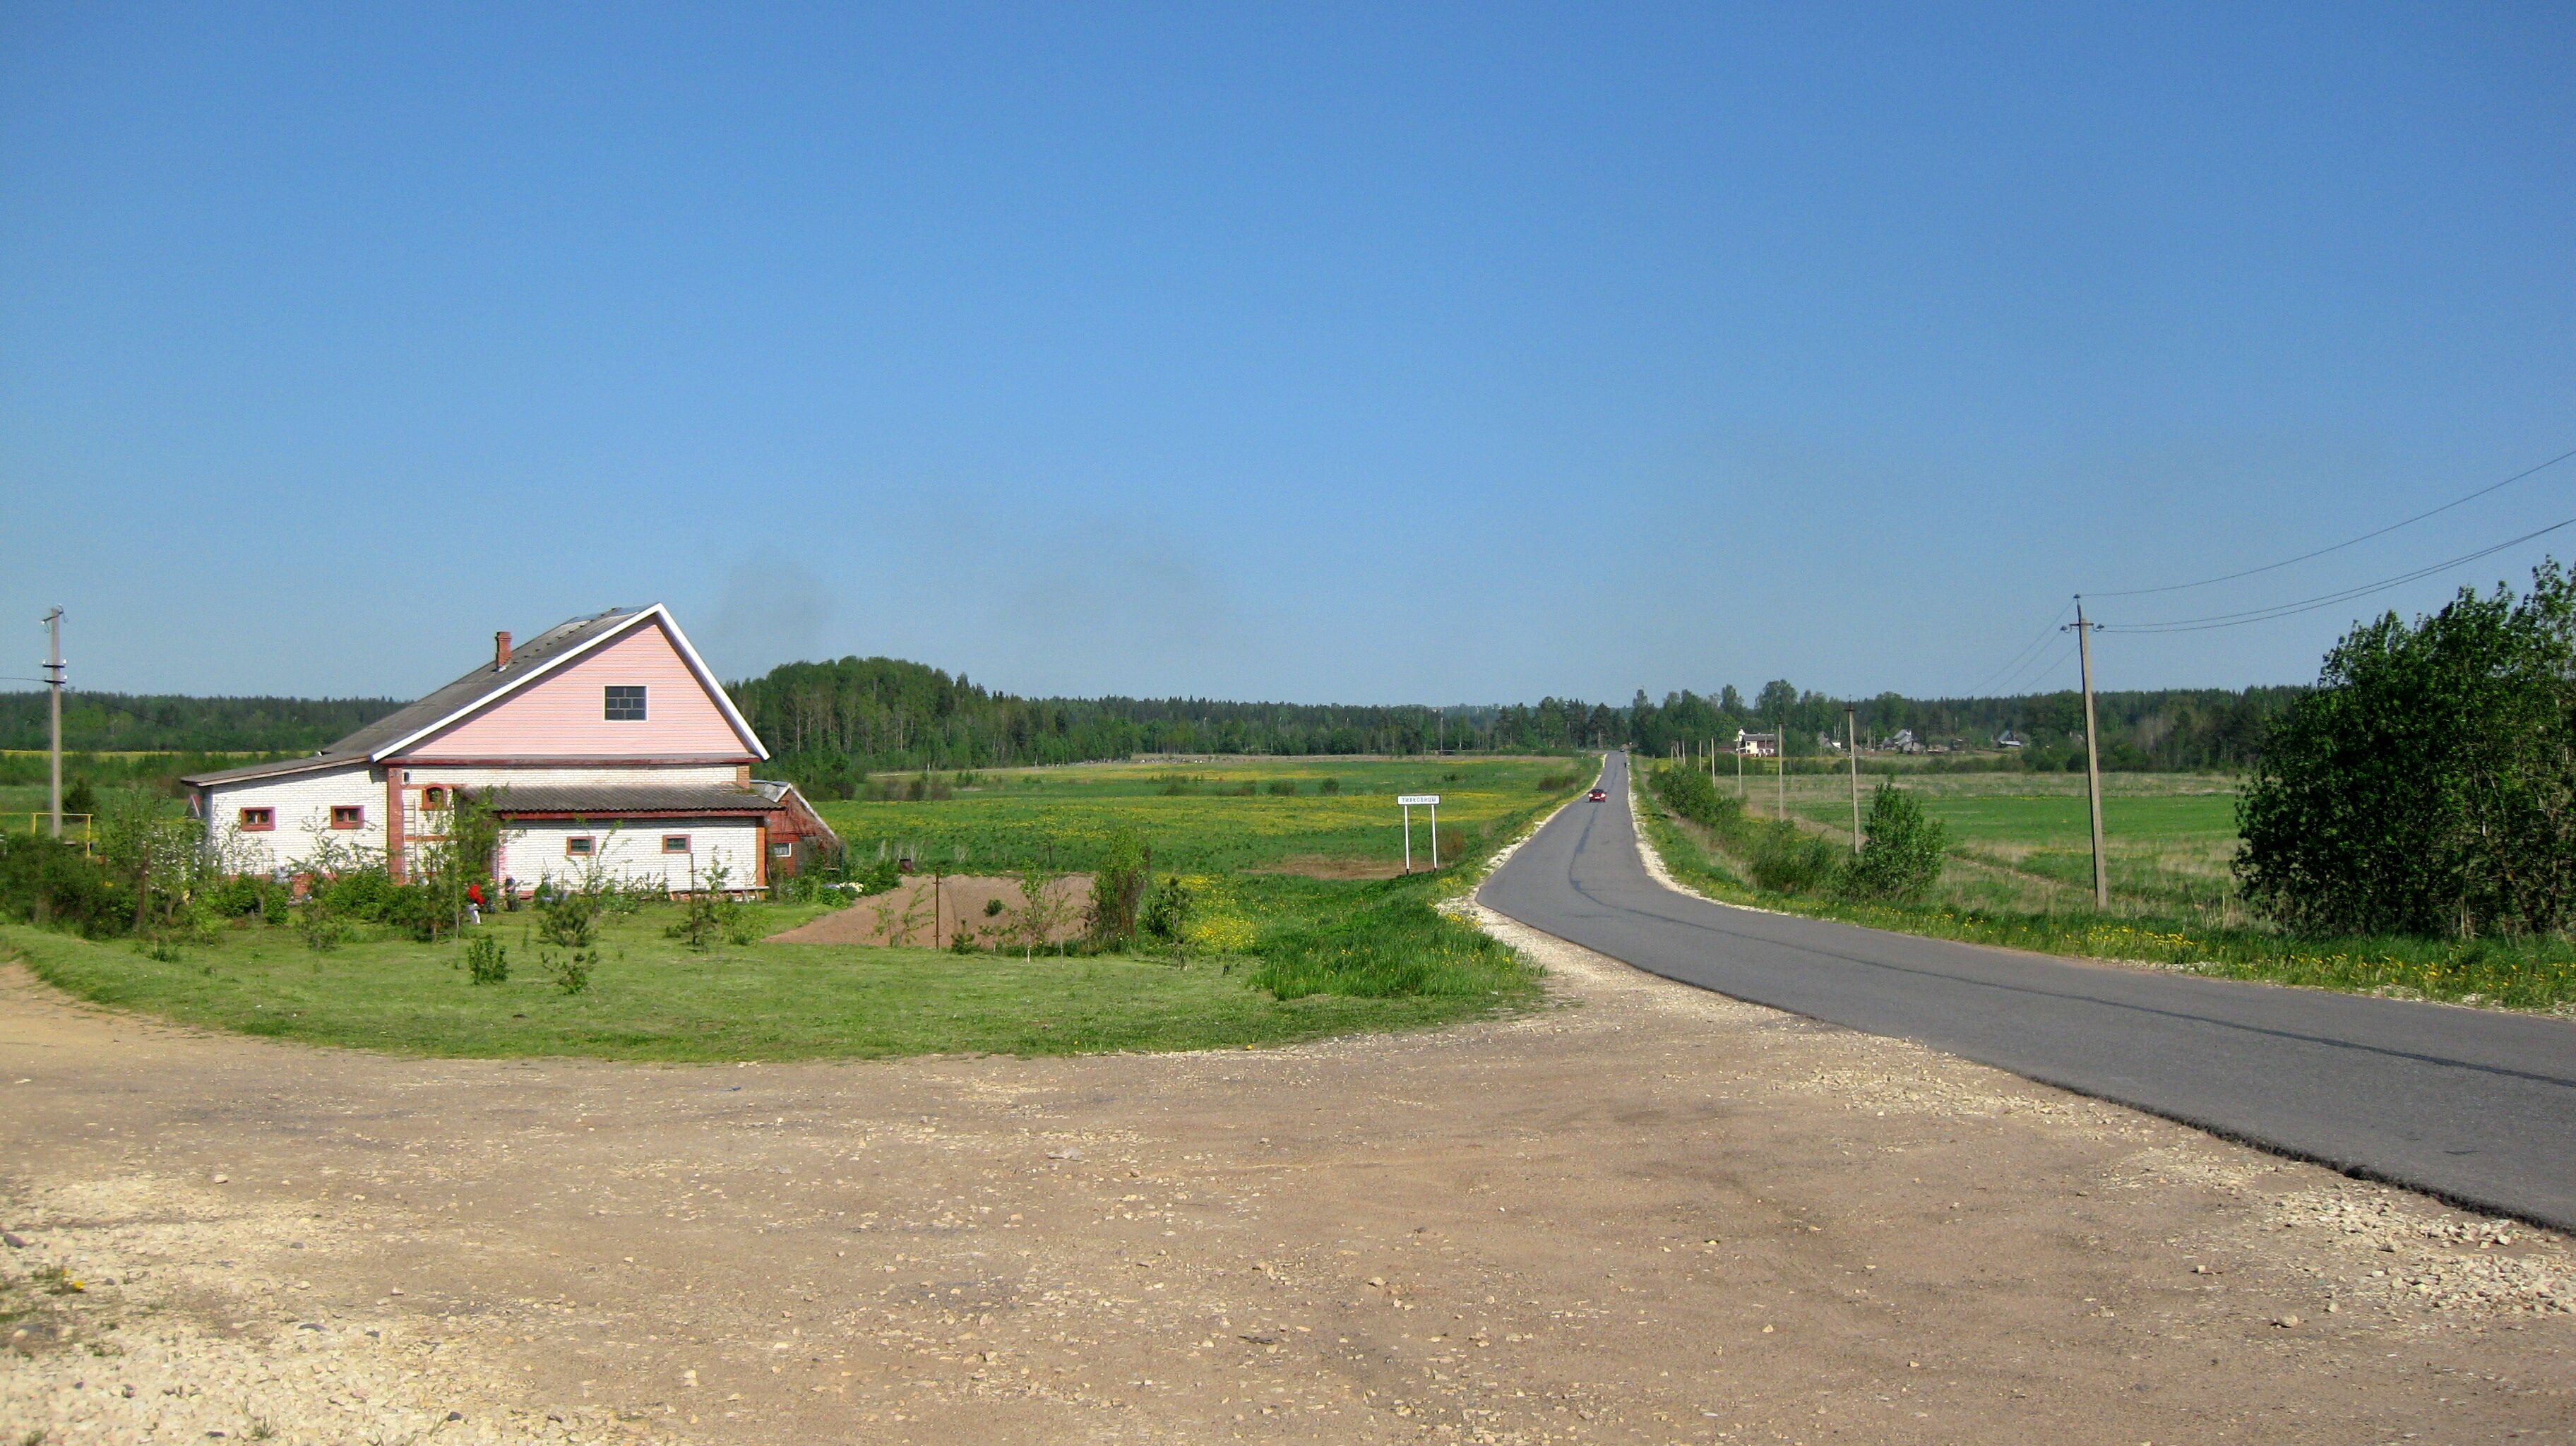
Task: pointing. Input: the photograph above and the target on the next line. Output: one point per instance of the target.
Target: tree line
(832, 723)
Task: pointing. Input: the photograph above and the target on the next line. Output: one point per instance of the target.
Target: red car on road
(1597, 795)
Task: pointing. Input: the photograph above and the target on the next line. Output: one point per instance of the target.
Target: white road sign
(1410, 800)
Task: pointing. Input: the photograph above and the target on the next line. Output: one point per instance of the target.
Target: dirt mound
(930, 911)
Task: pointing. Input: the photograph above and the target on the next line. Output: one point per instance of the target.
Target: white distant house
(604, 745)
(1757, 745)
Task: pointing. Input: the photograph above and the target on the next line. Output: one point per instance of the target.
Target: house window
(580, 846)
(675, 843)
(254, 820)
(348, 815)
(433, 798)
(782, 851)
(625, 703)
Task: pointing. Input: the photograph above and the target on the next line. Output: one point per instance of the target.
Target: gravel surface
(1645, 1213)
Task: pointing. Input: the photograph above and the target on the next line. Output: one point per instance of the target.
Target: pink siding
(561, 716)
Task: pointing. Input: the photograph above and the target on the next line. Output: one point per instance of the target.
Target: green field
(1194, 816)
(2020, 873)
(1311, 954)
(2022, 840)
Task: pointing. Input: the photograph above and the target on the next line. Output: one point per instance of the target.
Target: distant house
(604, 745)
(1757, 745)
(2008, 739)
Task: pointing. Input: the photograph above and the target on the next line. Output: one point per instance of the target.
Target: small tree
(708, 910)
(1901, 858)
(1039, 913)
(1119, 888)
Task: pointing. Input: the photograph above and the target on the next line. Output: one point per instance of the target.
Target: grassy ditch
(1717, 857)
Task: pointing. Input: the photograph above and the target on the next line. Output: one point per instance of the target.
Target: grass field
(2020, 874)
(2022, 840)
(1196, 817)
(1315, 955)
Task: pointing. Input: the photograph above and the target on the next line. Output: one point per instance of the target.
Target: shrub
(43, 881)
(1329, 787)
(1786, 859)
(486, 962)
(1166, 918)
(1901, 858)
(1118, 889)
(708, 912)
(1283, 787)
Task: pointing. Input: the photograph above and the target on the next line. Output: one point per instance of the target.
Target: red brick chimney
(500, 651)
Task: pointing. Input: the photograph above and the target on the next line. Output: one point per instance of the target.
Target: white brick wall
(303, 803)
(631, 853)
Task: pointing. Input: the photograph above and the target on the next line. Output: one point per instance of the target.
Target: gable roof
(540, 656)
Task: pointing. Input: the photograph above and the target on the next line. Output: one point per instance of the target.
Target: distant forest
(831, 724)
(167, 723)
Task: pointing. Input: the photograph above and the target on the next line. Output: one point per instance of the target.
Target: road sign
(1410, 802)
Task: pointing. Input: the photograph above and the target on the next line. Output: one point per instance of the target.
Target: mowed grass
(652, 999)
(1333, 956)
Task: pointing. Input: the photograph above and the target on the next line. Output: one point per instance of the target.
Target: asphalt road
(2476, 1106)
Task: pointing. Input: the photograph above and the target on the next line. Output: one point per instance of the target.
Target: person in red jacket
(474, 903)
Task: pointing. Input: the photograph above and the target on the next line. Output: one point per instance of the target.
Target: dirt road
(1648, 1214)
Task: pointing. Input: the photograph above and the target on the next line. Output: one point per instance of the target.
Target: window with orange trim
(580, 846)
(433, 797)
(675, 843)
(255, 820)
(348, 815)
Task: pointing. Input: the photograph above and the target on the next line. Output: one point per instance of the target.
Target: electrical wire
(2340, 546)
(2283, 610)
(1980, 690)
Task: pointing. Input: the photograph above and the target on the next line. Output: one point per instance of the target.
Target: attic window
(625, 703)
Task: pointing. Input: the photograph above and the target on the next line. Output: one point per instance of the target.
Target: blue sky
(1376, 354)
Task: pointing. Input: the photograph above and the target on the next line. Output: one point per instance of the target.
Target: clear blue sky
(1448, 355)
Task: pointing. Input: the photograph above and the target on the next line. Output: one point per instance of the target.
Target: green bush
(1901, 859)
(486, 961)
(43, 881)
(2426, 787)
(1118, 888)
(1787, 859)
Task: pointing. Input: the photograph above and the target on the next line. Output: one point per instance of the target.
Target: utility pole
(54, 686)
(1851, 745)
(1780, 760)
(2092, 754)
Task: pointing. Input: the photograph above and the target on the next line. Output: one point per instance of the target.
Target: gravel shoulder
(1646, 1213)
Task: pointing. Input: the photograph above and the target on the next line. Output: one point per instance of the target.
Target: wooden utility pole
(54, 687)
(2092, 755)
(1851, 745)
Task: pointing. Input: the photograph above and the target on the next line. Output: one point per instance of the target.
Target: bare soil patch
(1647, 1215)
(1326, 866)
(932, 910)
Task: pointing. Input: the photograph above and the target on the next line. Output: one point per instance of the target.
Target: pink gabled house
(604, 744)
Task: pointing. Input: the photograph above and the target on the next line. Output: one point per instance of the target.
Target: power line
(2044, 634)
(2340, 546)
(2283, 610)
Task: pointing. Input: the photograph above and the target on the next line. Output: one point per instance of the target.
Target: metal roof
(538, 655)
(603, 799)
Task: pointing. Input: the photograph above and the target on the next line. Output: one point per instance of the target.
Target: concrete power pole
(2092, 755)
(1851, 745)
(54, 686)
(1780, 761)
